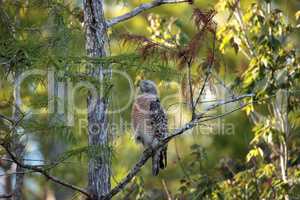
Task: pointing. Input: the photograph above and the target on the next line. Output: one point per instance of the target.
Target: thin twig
(141, 8)
(180, 162)
(223, 102)
(209, 69)
(166, 189)
(189, 63)
(14, 173)
(6, 118)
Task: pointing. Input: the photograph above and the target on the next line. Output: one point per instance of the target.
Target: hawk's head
(147, 86)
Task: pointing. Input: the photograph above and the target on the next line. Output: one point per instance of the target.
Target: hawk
(150, 123)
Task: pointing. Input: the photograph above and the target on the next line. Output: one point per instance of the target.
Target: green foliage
(197, 184)
(263, 35)
(265, 38)
(253, 184)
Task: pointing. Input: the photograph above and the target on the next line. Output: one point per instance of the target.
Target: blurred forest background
(238, 156)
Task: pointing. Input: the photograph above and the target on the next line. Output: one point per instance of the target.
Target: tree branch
(148, 152)
(166, 190)
(5, 196)
(36, 168)
(211, 63)
(143, 7)
(43, 172)
(189, 63)
(6, 118)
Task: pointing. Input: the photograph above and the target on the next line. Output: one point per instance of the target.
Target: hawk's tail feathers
(155, 163)
(163, 157)
(159, 160)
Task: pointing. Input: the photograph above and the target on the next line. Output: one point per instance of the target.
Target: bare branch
(43, 172)
(143, 7)
(148, 152)
(5, 196)
(14, 173)
(191, 89)
(223, 102)
(166, 190)
(211, 63)
(7, 118)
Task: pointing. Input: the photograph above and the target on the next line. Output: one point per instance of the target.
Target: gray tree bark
(7, 184)
(97, 46)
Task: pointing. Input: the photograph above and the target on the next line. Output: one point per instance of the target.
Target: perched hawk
(150, 123)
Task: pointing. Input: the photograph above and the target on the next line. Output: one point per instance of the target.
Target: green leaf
(297, 15)
(254, 153)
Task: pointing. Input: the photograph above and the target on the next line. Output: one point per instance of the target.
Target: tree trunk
(96, 46)
(6, 167)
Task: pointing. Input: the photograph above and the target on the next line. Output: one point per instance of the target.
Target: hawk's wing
(159, 123)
